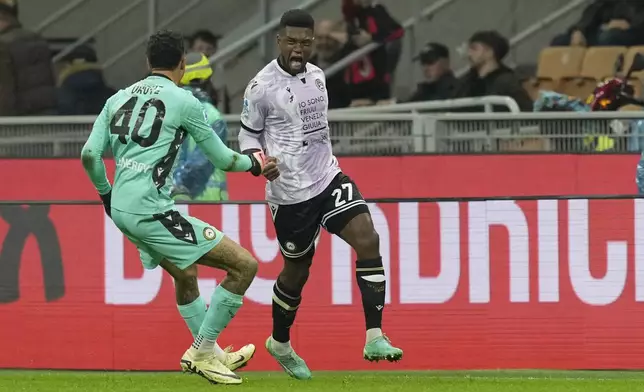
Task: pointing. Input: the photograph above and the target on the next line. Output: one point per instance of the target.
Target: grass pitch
(478, 381)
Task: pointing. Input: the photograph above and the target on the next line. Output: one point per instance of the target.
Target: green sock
(193, 314)
(223, 307)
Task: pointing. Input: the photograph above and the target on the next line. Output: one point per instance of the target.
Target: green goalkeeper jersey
(145, 125)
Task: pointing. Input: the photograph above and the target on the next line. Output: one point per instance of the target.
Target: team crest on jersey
(209, 233)
(319, 84)
(205, 115)
(290, 246)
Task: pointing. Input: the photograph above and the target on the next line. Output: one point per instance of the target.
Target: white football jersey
(290, 113)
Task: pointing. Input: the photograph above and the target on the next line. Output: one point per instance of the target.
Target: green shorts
(181, 239)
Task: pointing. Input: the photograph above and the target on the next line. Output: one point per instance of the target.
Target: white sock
(373, 333)
(220, 353)
(281, 348)
(203, 346)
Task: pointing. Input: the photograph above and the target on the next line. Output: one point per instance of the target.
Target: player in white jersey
(285, 113)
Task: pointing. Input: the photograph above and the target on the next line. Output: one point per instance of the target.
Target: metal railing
(384, 133)
(142, 39)
(100, 27)
(62, 11)
(64, 136)
(487, 102)
(425, 14)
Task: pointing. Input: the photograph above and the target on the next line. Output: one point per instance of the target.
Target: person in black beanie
(488, 75)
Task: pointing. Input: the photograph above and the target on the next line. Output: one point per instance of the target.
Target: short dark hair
(9, 8)
(297, 18)
(165, 50)
(206, 36)
(494, 40)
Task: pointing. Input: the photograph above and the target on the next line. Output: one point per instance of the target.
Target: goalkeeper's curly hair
(165, 50)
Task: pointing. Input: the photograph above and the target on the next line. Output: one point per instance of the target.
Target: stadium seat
(555, 63)
(598, 64)
(631, 108)
(637, 86)
(630, 54)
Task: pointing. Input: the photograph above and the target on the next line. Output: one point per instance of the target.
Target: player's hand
(271, 172)
(258, 160)
(107, 203)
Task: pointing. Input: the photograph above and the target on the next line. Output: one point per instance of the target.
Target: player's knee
(295, 274)
(247, 268)
(367, 242)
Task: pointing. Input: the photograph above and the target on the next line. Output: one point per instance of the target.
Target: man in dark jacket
(329, 48)
(439, 80)
(81, 86)
(27, 85)
(370, 77)
(606, 23)
(488, 75)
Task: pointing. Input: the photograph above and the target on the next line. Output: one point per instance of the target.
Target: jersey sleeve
(254, 110)
(194, 121)
(92, 152)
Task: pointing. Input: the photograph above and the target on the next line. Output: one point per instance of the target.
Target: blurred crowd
(31, 85)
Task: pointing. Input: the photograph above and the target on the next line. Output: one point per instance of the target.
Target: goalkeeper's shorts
(181, 239)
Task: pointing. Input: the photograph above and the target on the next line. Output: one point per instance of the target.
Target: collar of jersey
(156, 75)
(300, 75)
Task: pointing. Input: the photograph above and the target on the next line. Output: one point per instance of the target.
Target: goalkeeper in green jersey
(196, 178)
(145, 125)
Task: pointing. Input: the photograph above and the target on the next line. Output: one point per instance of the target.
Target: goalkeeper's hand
(258, 161)
(107, 202)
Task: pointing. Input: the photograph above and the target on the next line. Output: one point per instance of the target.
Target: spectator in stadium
(439, 80)
(195, 177)
(370, 77)
(488, 75)
(330, 47)
(206, 42)
(81, 87)
(607, 23)
(27, 85)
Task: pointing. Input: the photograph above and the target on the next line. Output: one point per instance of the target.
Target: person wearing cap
(206, 42)
(488, 75)
(196, 178)
(439, 80)
(27, 84)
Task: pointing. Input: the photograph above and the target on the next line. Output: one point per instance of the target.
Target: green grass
(478, 381)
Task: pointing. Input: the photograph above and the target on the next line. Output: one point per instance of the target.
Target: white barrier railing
(382, 131)
(487, 103)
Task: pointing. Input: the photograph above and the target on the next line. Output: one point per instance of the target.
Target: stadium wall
(477, 283)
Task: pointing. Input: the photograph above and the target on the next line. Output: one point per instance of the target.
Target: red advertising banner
(378, 177)
(483, 284)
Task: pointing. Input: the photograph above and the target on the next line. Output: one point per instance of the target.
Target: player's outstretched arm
(228, 160)
(215, 150)
(92, 154)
